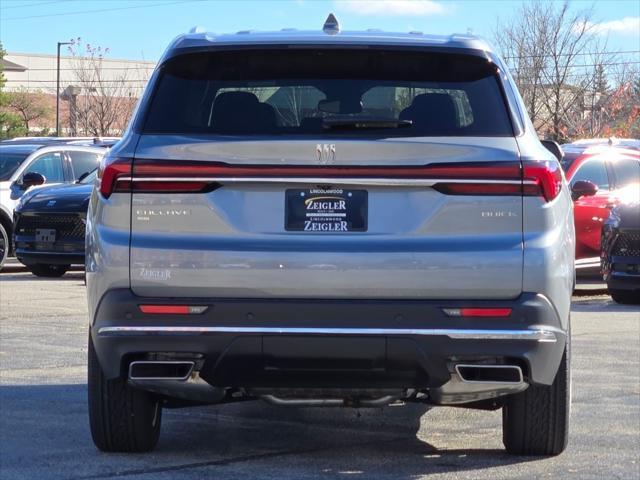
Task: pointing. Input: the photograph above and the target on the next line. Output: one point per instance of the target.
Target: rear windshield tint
(284, 92)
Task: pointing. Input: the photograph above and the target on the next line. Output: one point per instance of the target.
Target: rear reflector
(477, 312)
(173, 309)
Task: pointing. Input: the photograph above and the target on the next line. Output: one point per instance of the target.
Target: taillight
(478, 178)
(114, 175)
(542, 179)
(500, 178)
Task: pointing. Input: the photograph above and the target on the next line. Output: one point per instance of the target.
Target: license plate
(45, 235)
(331, 210)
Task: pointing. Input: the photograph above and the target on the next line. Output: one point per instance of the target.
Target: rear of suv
(330, 218)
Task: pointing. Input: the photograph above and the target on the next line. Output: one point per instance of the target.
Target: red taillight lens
(479, 178)
(542, 178)
(114, 175)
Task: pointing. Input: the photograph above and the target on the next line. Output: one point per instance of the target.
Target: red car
(598, 177)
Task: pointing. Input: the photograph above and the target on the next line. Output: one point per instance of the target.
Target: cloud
(391, 7)
(626, 25)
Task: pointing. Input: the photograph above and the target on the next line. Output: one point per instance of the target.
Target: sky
(141, 29)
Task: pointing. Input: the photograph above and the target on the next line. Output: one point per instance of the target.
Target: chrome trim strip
(408, 182)
(538, 334)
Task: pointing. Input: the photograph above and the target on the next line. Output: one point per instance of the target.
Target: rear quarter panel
(549, 238)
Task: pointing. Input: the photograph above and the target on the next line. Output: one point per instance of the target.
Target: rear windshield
(328, 92)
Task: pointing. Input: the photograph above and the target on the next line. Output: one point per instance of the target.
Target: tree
(549, 48)
(31, 106)
(105, 101)
(10, 124)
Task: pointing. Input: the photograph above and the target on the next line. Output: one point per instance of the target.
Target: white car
(24, 166)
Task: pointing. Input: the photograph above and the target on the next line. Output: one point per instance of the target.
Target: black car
(50, 226)
(621, 250)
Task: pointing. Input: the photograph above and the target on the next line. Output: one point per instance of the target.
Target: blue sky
(141, 29)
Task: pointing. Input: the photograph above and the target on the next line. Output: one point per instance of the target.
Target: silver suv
(330, 218)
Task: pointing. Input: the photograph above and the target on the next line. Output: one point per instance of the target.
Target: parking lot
(44, 430)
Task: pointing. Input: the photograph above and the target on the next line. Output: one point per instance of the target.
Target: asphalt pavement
(44, 430)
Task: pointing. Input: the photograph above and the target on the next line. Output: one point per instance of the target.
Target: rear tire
(122, 418)
(536, 421)
(4, 245)
(625, 297)
(46, 270)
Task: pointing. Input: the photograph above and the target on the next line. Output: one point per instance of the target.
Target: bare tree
(31, 106)
(551, 51)
(103, 100)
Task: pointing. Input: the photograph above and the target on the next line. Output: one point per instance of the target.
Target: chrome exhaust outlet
(472, 383)
(330, 402)
(496, 374)
(160, 370)
(175, 379)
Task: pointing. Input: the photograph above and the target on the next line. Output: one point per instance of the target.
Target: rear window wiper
(333, 123)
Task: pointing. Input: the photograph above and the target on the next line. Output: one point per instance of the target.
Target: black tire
(4, 245)
(122, 418)
(536, 421)
(625, 297)
(46, 270)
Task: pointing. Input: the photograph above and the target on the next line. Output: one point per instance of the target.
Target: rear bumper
(256, 343)
(30, 257)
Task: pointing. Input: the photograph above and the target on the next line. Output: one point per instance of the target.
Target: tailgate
(408, 235)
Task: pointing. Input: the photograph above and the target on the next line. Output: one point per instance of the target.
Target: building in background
(97, 94)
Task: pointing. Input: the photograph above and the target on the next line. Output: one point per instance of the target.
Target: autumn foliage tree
(104, 101)
(563, 69)
(10, 124)
(29, 106)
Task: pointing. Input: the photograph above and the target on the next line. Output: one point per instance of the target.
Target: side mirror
(554, 148)
(583, 188)
(31, 179)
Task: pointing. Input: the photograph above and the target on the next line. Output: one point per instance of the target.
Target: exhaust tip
(160, 370)
(490, 373)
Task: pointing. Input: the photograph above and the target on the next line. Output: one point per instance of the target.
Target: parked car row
(599, 177)
(604, 176)
(49, 227)
(30, 164)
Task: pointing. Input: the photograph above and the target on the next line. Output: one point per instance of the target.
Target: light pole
(58, 89)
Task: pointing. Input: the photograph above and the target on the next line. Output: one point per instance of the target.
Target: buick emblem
(325, 153)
